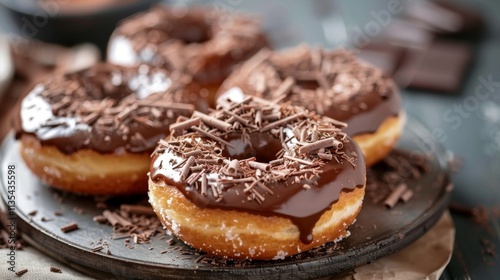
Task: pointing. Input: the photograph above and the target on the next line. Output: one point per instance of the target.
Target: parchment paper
(426, 258)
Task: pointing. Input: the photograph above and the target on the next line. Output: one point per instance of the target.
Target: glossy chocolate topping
(261, 158)
(333, 83)
(106, 108)
(204, 42)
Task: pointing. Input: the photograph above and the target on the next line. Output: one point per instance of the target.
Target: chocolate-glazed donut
(92, 132)
(204, 42)
(257, 180)
(333, 83)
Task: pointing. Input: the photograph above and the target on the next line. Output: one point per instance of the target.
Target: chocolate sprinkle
(395, 195)
(21, 272)
(69, 227)
(55, 269)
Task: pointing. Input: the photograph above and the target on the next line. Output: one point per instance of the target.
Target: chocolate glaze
(290, 199)
(107, 91)
(204, 42)
(356, 93)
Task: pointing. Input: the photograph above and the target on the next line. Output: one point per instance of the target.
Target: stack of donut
(276, 167)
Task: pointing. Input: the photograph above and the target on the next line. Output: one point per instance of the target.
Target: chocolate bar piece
(408, 34)
(382, 55)
(447, 18)
(442, 67)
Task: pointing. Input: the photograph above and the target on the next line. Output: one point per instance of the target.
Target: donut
(256, 180)
(204, 42)
(332, 83)
(92, 132)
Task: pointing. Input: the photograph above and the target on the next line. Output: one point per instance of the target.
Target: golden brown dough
(245, 235)
(86, 171)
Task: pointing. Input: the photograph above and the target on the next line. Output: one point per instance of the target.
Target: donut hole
(312, 85)
(194, 33)
(98, 86)
(262, 146)
(193, 30)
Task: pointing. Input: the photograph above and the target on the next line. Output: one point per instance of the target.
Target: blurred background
(445, 56)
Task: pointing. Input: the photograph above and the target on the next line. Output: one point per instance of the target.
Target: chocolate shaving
(183, 125)
(324, 143)
(55, 269)
(216, 138)
(112, 219)
(233, 167)
(280, 122)
(211, 121)
(177, 107)
(335, 122)
(325, 156)
(204, 184)
(138, 209)
(187, 166)
(20, 273)
(99, 219)
(258, 118)
(407, 196)
(284, 88)
(260, 165)
(395, 195)
(306, 162)
(69, 227)
(97, 249)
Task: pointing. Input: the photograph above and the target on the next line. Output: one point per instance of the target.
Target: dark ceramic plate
(394, 230)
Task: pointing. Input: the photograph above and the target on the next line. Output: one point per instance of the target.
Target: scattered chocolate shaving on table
(481, 216)
(21, 272)
(4, 235)
(55, 269)
(489, 247)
